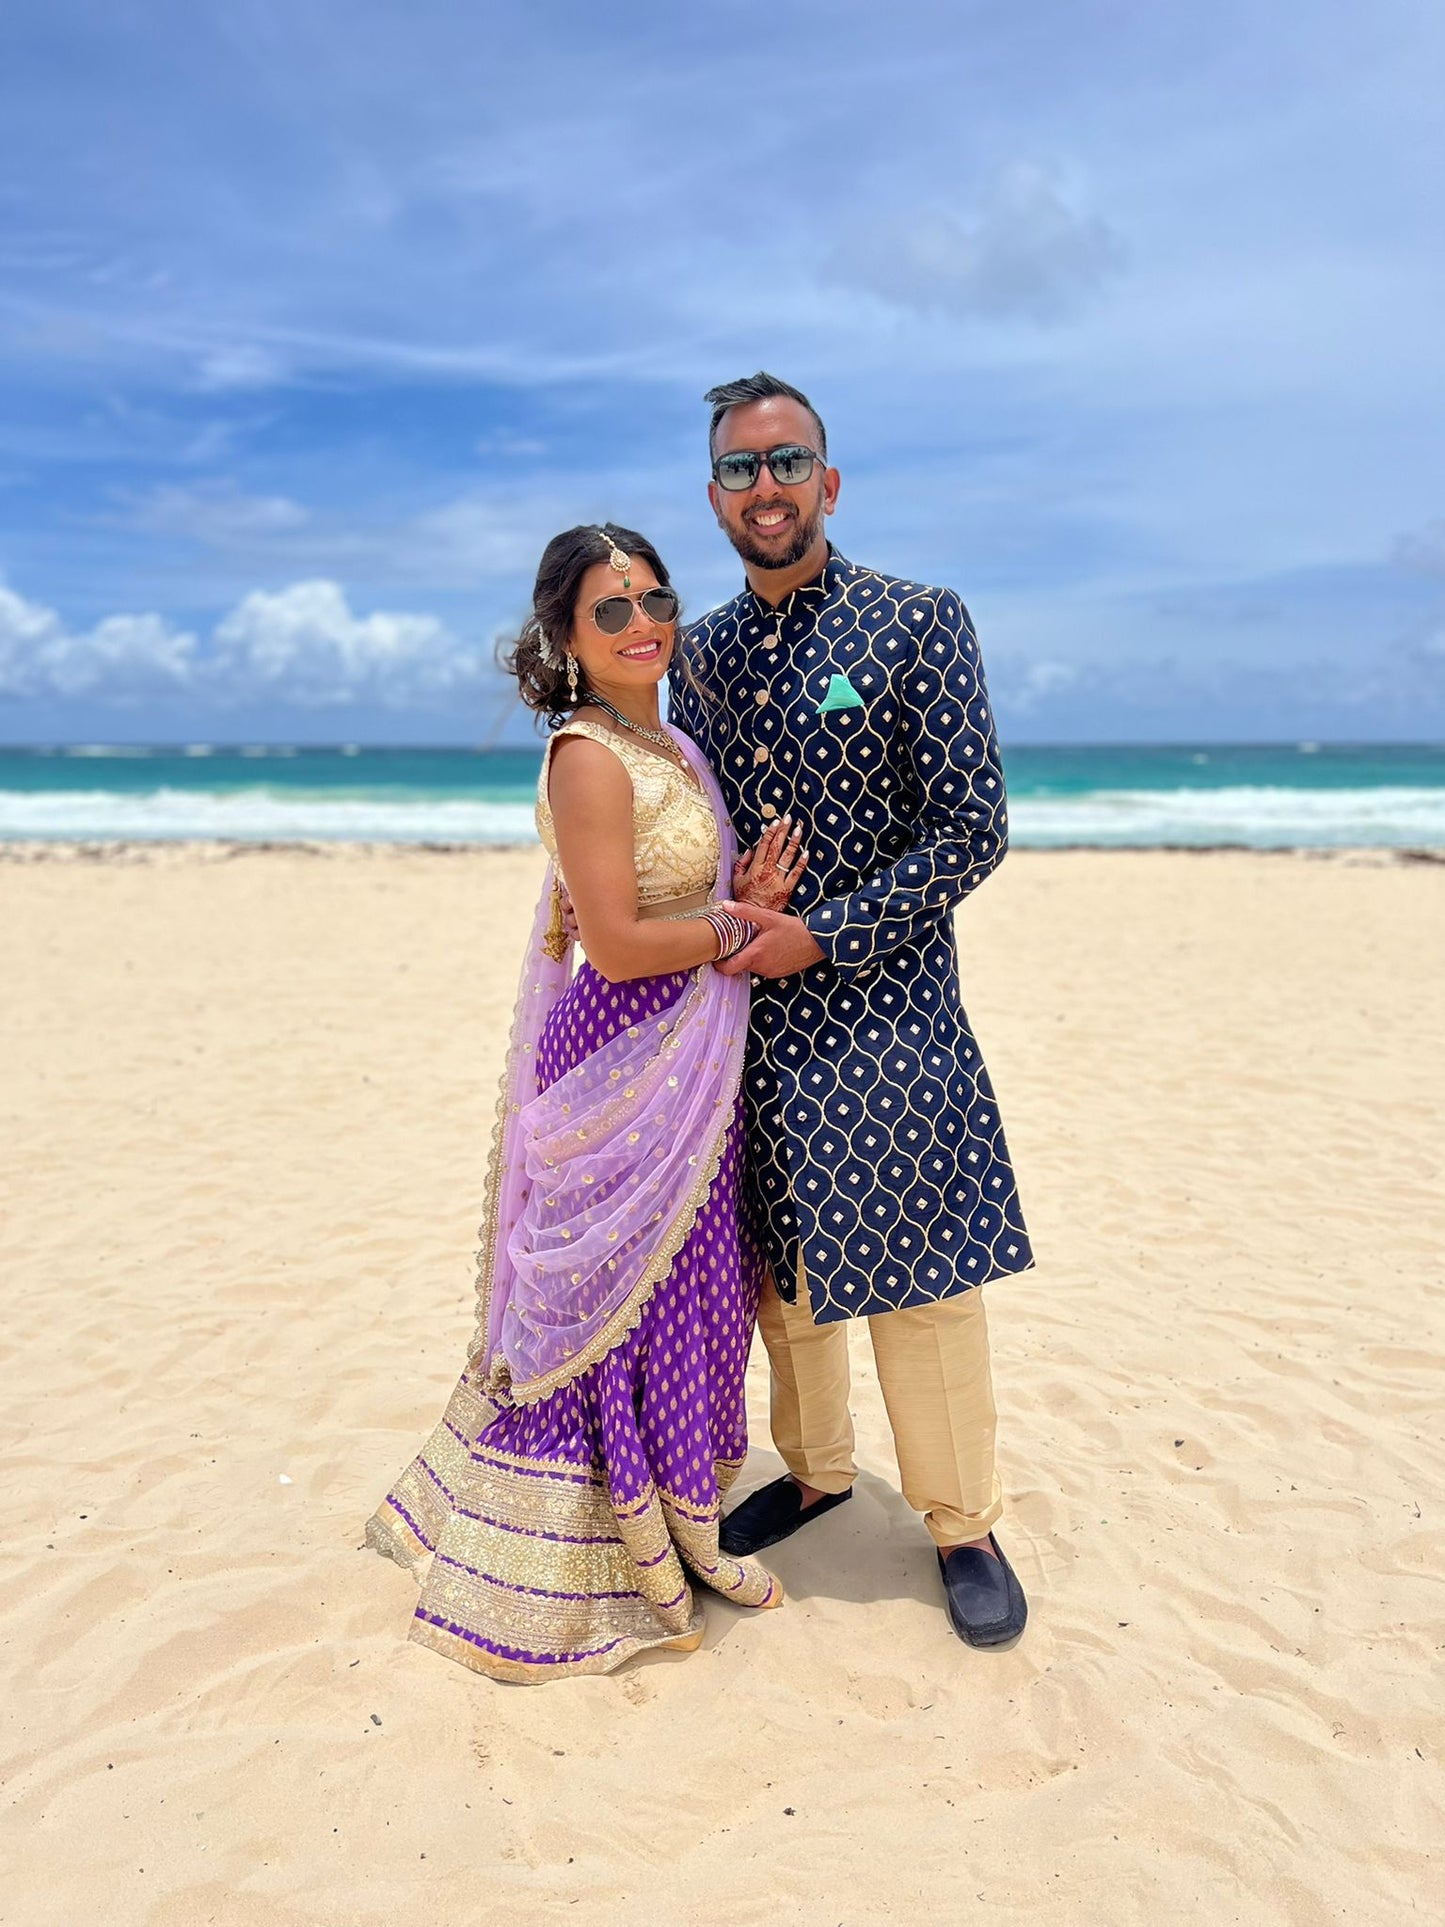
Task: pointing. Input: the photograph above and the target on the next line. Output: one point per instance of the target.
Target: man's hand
(783, 944)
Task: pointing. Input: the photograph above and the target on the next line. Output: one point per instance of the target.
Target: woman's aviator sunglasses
(788, 464)
(613, 613)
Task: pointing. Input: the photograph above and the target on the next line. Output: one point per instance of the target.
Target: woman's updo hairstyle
(538, 657)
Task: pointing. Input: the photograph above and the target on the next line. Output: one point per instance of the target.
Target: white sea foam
(257, 815)
(1263, 818)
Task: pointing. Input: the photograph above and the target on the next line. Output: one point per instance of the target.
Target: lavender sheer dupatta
(595, 1183)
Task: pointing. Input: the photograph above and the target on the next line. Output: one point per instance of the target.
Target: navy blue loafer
(772, 1513)
(986, 1604)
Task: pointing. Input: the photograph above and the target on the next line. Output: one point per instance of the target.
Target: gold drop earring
(571, 675)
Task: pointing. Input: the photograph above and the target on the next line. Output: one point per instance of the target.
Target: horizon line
(198, 746)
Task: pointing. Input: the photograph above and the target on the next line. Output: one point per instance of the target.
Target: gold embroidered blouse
(674, 834)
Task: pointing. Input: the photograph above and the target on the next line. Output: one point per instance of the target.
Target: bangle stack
(732, 932)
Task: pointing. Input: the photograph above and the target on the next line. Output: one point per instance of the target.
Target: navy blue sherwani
(875, 1148)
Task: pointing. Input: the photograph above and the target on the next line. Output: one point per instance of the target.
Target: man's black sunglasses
(788, 464)
(613, 613)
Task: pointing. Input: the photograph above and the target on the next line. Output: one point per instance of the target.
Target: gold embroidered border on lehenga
(533, 1555)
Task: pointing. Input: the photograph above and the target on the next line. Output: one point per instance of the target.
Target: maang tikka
(618, 559)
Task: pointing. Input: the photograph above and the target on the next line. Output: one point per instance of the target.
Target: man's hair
(759, 387)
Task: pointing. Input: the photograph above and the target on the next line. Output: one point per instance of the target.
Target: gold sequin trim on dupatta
(540, 972)
(628, 1315)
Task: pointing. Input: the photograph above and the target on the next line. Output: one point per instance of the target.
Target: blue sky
(316, 320)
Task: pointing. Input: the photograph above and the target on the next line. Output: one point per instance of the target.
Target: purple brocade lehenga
(576, 1477)
(561, 1529)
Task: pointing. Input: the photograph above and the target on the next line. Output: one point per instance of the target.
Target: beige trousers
(933, 1368)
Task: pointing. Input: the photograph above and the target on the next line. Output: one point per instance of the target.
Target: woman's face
(641, 653)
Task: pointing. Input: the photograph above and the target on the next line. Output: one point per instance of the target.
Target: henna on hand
(767, 875)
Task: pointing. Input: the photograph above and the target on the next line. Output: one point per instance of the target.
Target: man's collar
(819, 589)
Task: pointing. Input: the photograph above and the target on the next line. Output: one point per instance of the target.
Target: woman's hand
(767, 875)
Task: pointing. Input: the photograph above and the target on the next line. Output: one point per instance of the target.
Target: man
(879, 1179)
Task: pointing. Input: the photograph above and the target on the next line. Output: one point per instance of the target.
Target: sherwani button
(761, 698)
(769, 810)
(762, 755)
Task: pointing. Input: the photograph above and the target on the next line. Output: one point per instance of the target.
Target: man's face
(770, 526)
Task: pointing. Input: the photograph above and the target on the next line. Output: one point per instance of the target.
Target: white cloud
(135, 654)
(123, 657)
(303, 645)
(306, 645)
(25, 628)
(1026, 251)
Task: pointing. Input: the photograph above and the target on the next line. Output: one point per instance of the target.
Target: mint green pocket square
(841, 695)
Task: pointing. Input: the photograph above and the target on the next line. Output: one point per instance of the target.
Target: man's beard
(806, 531)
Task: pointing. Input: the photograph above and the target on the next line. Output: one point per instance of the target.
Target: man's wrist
(819, 955)
(810, 951)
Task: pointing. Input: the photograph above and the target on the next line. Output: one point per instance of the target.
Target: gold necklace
(658, 736)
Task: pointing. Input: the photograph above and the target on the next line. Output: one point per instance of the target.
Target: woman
(576, 1476)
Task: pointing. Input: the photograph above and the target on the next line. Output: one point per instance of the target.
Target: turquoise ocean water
(1298, 795)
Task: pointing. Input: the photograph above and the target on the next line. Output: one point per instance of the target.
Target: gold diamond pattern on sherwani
(875, 1146)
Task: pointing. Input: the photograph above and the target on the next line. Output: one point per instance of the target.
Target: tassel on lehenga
(556, 940)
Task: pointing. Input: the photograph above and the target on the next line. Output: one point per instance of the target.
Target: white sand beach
(246, 1100)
